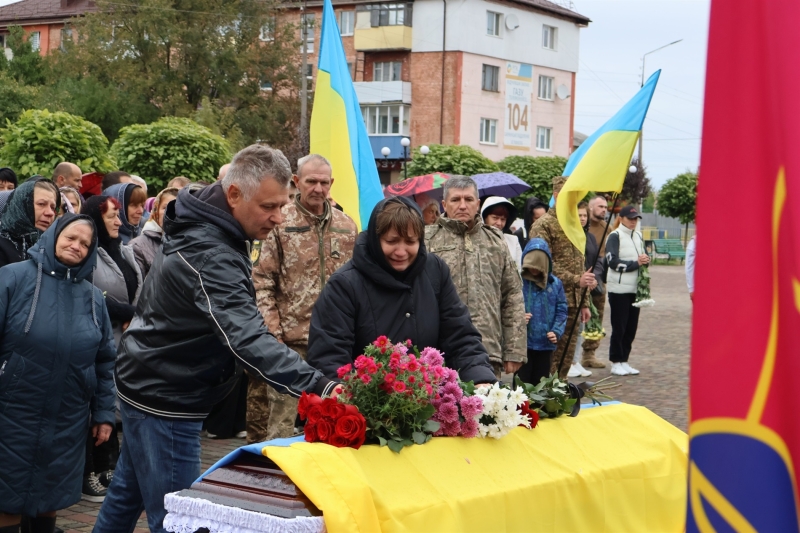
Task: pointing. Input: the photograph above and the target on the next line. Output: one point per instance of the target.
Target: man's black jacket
(197, 319)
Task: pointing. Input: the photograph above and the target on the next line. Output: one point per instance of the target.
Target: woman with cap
(624, 253)
(393, 287)
(131, 197)
(499, 213)
(29, 211)
(56, 364)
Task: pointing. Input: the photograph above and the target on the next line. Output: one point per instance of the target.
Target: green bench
(672, 248)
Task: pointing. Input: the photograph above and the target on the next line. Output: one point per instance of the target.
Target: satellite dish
(562, 92)
(512, 22)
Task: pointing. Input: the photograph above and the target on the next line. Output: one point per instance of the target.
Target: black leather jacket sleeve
(459, 340)
(230, 309)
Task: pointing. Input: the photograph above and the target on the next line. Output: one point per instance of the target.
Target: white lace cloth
(187, 515)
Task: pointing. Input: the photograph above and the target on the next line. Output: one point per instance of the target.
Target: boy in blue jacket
(545, 308)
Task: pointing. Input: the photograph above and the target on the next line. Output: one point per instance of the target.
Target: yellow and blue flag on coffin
(601, 162)
(338, 132)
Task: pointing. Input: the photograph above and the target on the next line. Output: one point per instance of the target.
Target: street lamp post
(406, 142)
(644, 57)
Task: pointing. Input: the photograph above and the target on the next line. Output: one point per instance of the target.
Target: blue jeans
(158, 456)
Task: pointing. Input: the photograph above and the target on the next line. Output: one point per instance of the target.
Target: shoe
(618, 370)
(584, 373)
(241, 435)
(632, 371)
(105, 477)
(207, 435)
(573, 371)
(593, 363)
(93, 490)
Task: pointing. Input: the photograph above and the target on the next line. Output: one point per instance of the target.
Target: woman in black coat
(393, 287)
(56, 362)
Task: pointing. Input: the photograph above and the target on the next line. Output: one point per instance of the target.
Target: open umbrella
(429, 183)
(500, 184)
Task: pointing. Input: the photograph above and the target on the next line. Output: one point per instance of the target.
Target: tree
(26, 65)
(170, 147)
(649, 203)
(39, 140)
(163, 57)
(15, 97)
(538, 172)
(450, 159)
(678, 198)
(636, 186)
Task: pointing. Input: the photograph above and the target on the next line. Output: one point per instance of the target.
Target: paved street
(660, 352)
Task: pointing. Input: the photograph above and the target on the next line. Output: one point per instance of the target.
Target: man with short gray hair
(290, 269)
(484, 273)
(196, 324)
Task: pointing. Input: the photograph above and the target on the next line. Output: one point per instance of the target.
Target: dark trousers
(537, 367)
(624, 321)
(229, 416)
(103, 457)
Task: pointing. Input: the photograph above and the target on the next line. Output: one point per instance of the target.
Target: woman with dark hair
(131, 198)
(499, 213)
(8, 179)
(118, 276)
(56, 374)
(29, 211)
(393, 287)
(146, 246)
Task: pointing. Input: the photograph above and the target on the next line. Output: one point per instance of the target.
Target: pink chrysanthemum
(448, 412)
(432, 357)
(469, 428)
(451, 429)
(453, 389)
(471, 406)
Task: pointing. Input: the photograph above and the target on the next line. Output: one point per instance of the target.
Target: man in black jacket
(196, 324)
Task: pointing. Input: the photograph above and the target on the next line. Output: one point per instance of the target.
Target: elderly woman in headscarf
(56, 363)
(29, 211)
(73, 198)
(131, 198)
(146, 246)
(429, 207)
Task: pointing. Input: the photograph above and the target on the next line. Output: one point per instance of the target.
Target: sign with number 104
(519, 85)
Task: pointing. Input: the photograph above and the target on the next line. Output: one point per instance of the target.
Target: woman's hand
(336, 391)
(101, 432)
(125, 325)
(528, 318)
(644, 259)
(551, 336)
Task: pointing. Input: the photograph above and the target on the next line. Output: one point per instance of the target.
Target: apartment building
(45, 21)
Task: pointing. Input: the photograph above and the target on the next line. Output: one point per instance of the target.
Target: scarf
(536, 259)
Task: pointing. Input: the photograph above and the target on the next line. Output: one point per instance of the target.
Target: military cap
(558, 183)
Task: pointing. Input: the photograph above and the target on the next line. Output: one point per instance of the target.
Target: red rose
(351, 428)
(339, 441)
(331, 408)
(310, 431)
(314, 413)
(532, 415)
(305, 403)
(325, 428)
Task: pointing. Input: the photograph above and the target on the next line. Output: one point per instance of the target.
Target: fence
(655, 226)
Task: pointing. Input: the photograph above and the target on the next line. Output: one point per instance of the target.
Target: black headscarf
(371, 241)
(70, 218)
(18, 222)
(111, 245)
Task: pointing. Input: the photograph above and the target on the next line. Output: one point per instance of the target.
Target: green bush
(678, 197)
(450, 159)
(538, 172)
(170, 147)
(39, 140)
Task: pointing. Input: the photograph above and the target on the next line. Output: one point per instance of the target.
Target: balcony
(382, 38)
(378, 92)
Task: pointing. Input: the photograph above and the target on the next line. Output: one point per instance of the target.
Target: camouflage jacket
(291, 266)
(488, 282)
(567, 260)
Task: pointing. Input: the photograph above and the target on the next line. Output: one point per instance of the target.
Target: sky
(609, 74)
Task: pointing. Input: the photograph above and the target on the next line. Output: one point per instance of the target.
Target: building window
(543, 138)
(347, 22)
(491, 78)
(488, 131)
(266, 85)
(66, 36)
(268, 30)
(34, 39)
(388, 14)
(546, 87)
(493, 21)
(387, 71)
(549, 35)
(307, 31)
(386, 119)
(309, 71)
(350, 69)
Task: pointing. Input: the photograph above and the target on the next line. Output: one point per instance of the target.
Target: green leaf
(382, 441)
(419, 437)
(431, 426)
(395, 445)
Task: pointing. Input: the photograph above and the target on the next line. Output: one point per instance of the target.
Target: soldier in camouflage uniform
(484, 273)
(598, 207)
(289, 271)
(568, 267)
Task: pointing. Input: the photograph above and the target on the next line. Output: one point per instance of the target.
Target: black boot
(43, 524)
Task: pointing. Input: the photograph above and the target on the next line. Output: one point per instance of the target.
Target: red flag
(744, 431)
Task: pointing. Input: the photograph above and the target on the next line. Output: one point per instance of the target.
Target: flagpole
(583, 292)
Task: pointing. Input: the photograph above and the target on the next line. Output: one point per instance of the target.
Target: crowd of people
(212, 307)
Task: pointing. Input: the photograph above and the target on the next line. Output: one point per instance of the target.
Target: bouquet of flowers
(331, 422)
(457, 409)
(552, 397)
(594, 330)
(393, 387)
(502, 411)
(643, 298)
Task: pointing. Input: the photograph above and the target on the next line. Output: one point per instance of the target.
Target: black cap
(629, 212)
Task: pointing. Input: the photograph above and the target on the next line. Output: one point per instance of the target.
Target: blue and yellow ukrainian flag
(602, 161)
(338, 131)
